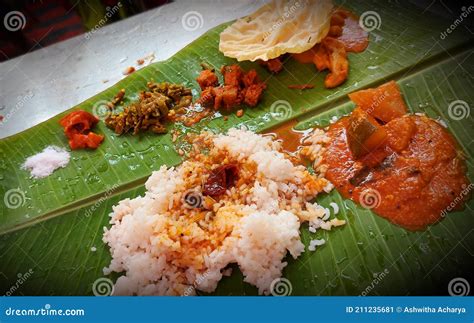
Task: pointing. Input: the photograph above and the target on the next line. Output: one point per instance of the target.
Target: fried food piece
(338, 63)
(207, 98)
(249, 78)
(226, 96)
(232, 74)
(206, 79)
(321, 58)
(253, 93)
(238, 87)
(274, 65)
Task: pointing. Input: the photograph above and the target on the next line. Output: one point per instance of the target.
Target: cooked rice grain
(166, 247)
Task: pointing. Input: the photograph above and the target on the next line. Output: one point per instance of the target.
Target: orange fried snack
(239, 87)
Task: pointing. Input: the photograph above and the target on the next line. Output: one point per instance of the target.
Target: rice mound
(166, 245)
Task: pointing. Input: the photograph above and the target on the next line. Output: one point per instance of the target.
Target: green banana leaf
(48, 226)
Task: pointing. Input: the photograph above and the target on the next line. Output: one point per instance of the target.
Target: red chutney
(77, 128)
(414, 181)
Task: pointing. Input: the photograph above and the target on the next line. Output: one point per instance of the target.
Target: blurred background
(45, 22)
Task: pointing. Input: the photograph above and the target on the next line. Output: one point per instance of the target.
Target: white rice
(157, 246)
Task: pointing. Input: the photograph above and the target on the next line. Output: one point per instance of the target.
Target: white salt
(46, 162)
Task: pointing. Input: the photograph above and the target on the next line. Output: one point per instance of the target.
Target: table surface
(39, 85)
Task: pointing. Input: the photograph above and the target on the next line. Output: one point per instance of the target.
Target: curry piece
(364, 134)
(151, 110)
(412, 187)
(408, 170)
(384, 103)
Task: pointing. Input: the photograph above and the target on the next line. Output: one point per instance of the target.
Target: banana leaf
(49, 227)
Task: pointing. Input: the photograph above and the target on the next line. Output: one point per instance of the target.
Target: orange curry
(407, 168)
